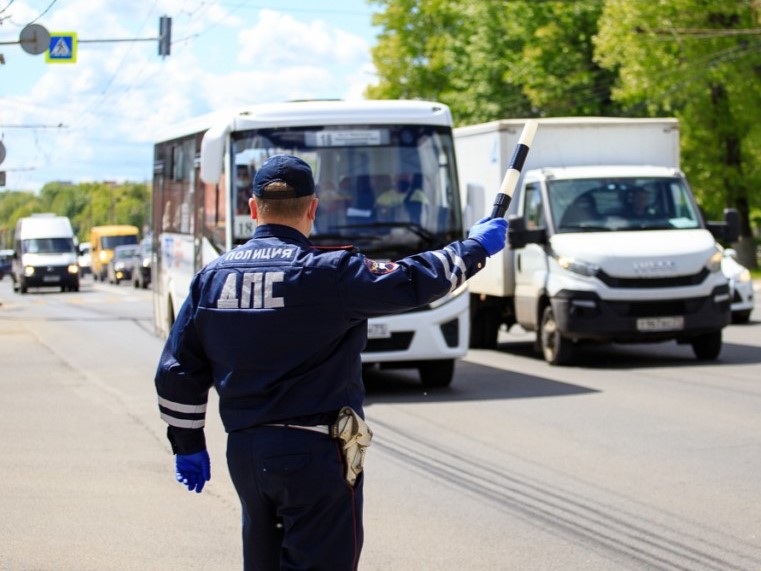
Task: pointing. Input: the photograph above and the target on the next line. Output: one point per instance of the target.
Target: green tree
(14, 205)
(449, 51)
(86, 204)
(557, 71)
(697, 60)
(491, 60)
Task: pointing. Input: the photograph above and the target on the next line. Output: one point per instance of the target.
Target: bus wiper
(343, 238)
(416, 229)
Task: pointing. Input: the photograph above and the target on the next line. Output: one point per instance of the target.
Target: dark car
(120, 267)
(141, 264)
(5, 262)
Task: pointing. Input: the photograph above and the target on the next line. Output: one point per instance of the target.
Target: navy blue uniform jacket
(277, 326)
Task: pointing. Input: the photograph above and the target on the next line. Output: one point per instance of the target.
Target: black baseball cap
(291, 170)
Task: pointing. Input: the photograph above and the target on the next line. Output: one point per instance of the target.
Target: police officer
(277, 326)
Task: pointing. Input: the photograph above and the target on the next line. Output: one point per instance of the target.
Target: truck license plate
(51, 278)
(378, 331)
(660, 323)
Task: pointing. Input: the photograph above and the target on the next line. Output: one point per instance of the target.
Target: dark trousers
(299, 512)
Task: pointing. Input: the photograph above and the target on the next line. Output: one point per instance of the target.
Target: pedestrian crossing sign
(63, 48)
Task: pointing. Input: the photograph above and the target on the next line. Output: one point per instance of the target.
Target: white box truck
(44, 253)
(606, 241)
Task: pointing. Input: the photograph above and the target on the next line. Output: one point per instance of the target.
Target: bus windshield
(389, 190)
(608, 204)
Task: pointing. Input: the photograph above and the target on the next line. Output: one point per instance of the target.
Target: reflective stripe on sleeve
(180, 407)
(451, 261)
(182, 422)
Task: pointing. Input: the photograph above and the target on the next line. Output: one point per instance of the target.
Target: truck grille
(644, 283)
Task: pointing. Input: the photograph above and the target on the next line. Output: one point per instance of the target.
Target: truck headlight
(744, 276)
(28, 271)
(714, 262)
(577, 266)
(73, 269)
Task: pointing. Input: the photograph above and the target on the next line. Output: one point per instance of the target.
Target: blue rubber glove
(193, 470)
(491, 233)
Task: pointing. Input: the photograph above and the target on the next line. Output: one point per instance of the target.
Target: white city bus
(386, 179)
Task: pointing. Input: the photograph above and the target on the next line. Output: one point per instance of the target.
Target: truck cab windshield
(598, 205)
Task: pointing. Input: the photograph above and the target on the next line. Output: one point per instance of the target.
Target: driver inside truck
(637, 203)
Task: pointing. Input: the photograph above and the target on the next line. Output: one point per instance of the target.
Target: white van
(44, 254)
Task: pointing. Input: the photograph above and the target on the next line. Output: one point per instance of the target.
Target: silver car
(120, 267)
(740, 286)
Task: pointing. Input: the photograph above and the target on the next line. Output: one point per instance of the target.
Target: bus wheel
(436, 374)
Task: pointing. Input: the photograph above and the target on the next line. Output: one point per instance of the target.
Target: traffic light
(165, 35)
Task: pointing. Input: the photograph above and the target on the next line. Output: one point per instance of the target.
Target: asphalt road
(640, 457)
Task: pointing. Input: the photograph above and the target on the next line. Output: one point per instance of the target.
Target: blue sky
(97, 119)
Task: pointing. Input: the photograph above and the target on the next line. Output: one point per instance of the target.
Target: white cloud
(119, 96)
(279, 40)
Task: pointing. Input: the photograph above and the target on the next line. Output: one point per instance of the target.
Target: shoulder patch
(348, 248)
(380, 268)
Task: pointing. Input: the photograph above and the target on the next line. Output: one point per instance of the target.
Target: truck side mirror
(732, 221)
(729, 229)
(517, 235)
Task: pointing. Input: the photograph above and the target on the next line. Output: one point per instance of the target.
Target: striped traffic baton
(506, 190)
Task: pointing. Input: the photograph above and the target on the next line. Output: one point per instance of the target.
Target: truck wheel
(557, 350)
(436, 374)
(707, 346)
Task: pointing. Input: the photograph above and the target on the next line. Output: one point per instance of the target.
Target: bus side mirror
(213, 153)
(474, 204)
